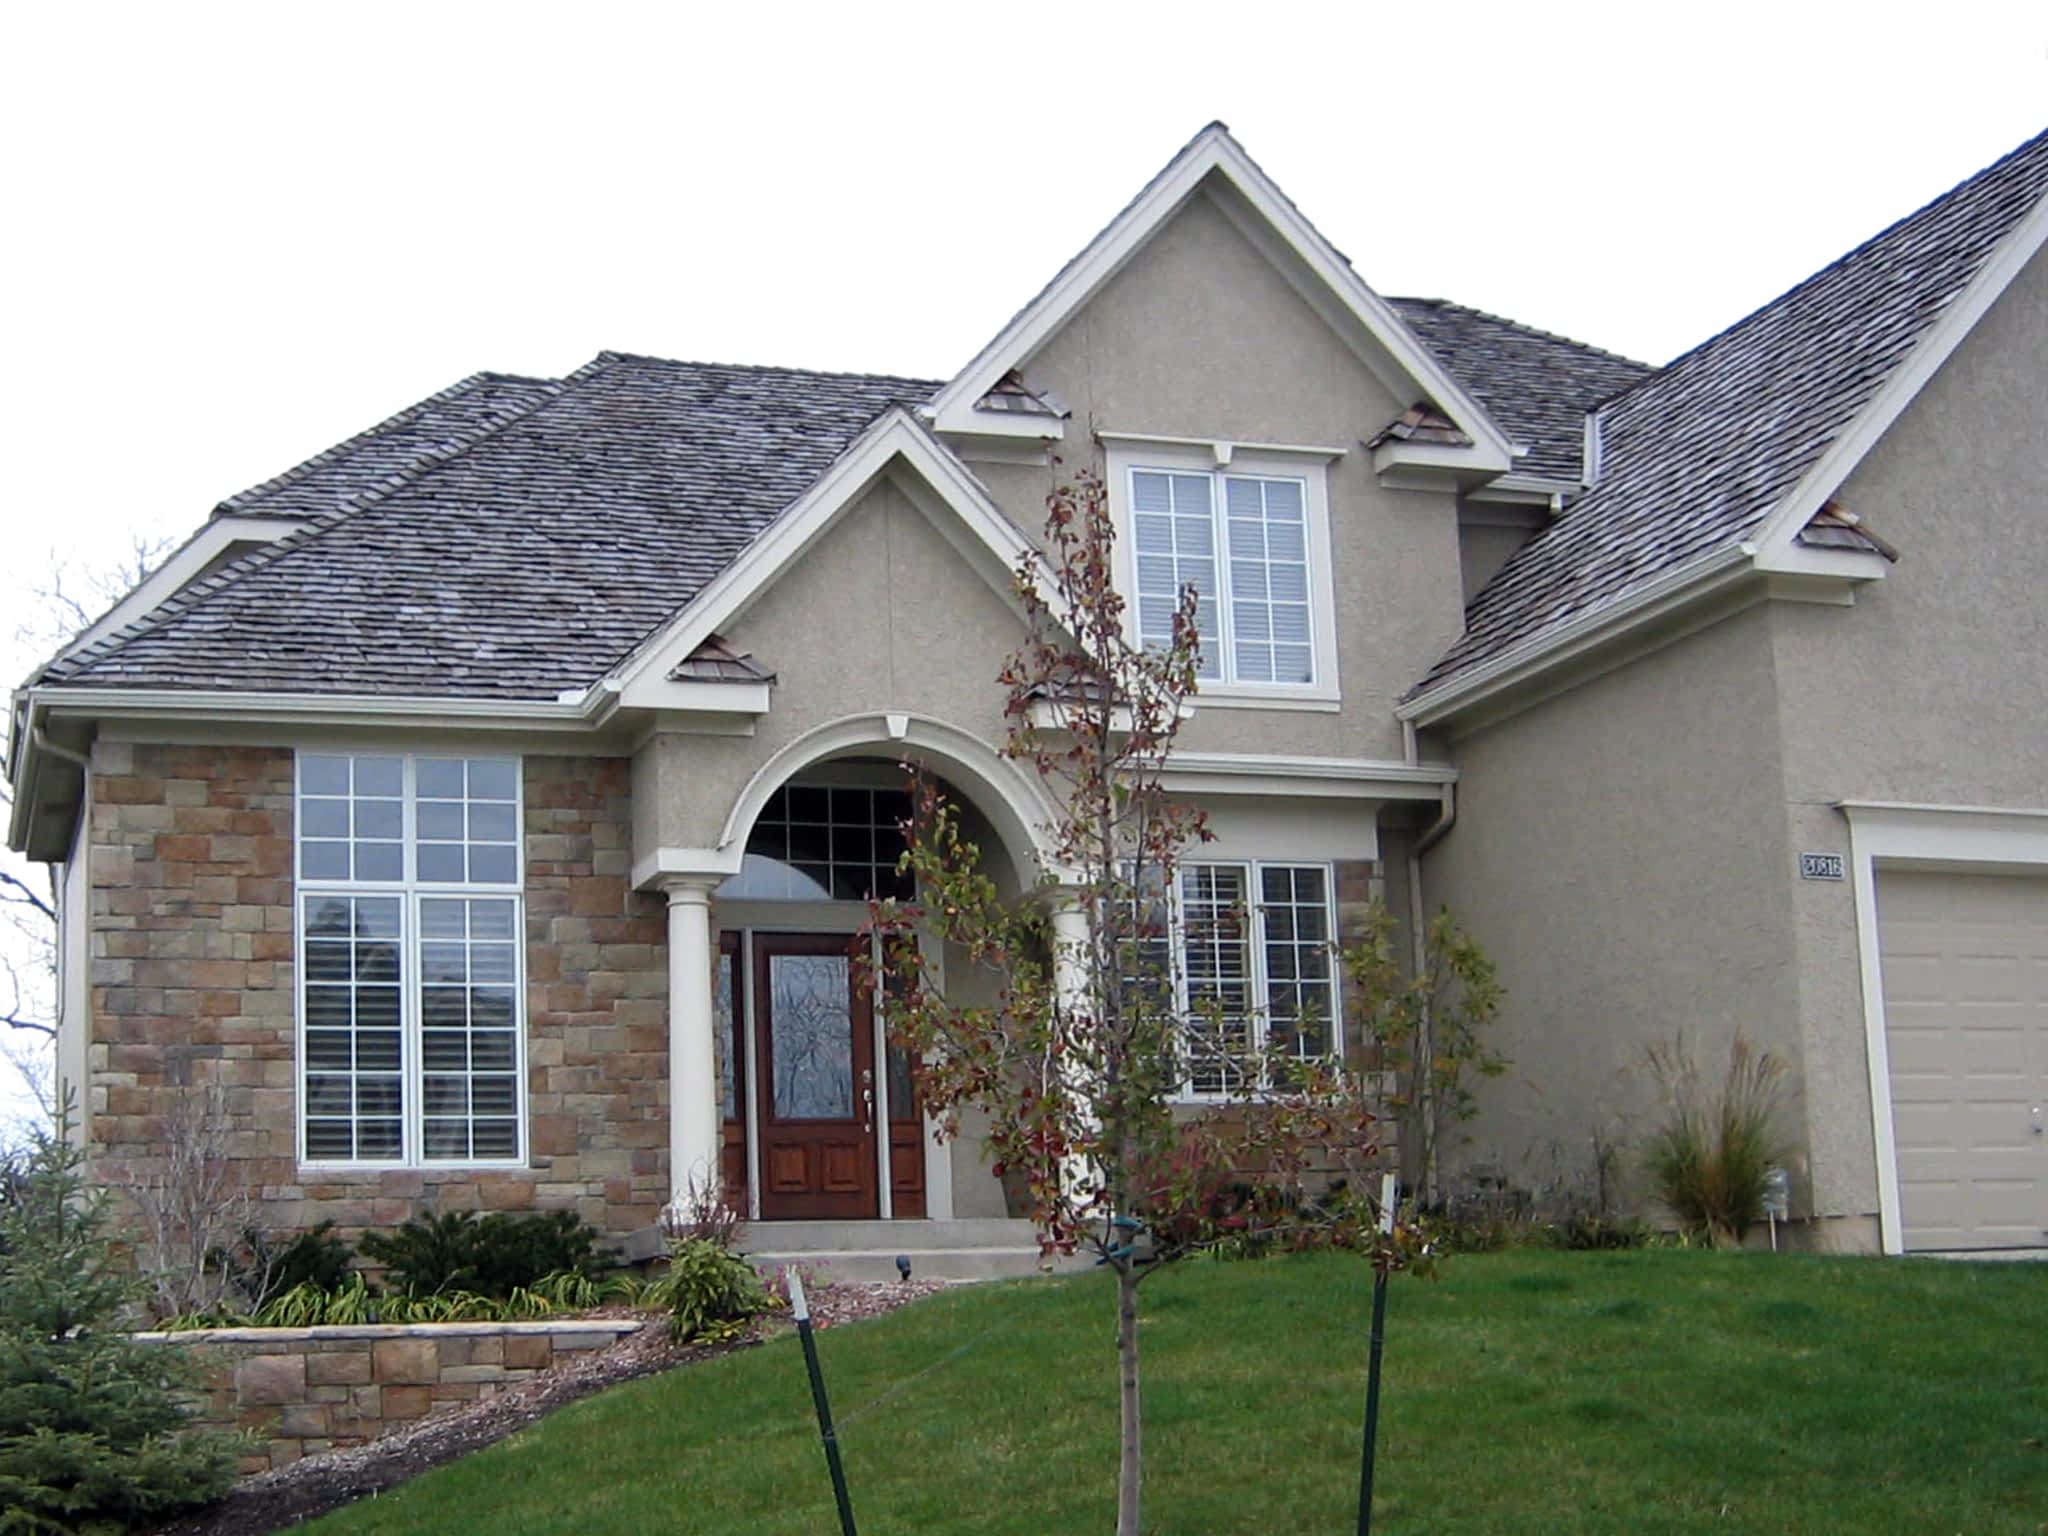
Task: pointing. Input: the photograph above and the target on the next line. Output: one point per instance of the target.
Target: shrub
(1712, 1152)
(491, 1256)
(90, 1421)
(709, 1292)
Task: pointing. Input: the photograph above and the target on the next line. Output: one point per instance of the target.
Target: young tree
(1093, 1024)
(90, 1421)
(1429, 1025)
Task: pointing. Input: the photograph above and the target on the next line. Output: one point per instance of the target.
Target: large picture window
(1255, 975)
(411, 1013)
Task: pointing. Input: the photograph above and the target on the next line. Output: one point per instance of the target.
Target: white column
(694, 1131)
(1071, 940)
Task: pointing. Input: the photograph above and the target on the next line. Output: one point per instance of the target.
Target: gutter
(1695, 579)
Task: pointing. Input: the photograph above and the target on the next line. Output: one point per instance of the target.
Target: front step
(986, 1248)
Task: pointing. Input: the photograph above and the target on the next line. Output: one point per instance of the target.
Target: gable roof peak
(1367, 323)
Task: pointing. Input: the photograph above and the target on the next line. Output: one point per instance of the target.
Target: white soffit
(1279, 230)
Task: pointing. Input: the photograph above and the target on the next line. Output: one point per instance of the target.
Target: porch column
(1071, 937)
(694, 1132)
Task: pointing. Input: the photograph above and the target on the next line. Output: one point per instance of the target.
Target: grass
(1659, 1391)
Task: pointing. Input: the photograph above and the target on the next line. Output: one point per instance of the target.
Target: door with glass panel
(815, 1051)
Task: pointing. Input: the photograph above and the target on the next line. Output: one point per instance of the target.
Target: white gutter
(1686, 583)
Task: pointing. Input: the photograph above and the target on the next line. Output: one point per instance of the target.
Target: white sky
(237, 234)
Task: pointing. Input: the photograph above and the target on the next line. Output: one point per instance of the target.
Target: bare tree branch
(18, 892)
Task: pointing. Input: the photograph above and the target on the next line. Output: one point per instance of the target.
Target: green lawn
(1661, 1391)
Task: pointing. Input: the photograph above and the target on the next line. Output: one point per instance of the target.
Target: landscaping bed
(293, 1494)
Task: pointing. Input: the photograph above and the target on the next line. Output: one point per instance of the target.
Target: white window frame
(1261, 984)
(410, 892)
(1127, 454)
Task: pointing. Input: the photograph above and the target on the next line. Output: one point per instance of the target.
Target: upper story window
(411, 924)
(1249, 530)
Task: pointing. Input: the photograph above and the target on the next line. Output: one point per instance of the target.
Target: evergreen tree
(90, 1421)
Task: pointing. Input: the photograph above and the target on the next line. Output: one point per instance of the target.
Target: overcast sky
(235, 235)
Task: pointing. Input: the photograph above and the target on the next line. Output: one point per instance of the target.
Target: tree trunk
(1130, 1475)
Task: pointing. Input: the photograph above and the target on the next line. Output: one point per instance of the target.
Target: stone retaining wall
(299, 1391)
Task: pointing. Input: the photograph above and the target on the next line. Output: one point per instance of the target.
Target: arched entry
(819, 1116)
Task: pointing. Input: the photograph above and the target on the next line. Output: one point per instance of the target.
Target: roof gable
(1741, 440)
(1215, 161)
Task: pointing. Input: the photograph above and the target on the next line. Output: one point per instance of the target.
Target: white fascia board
(1212, 150)
(1395, 459)
(1281, 777)
(1676, 589)
(178, 569)
(1224, 451)
(1781, 529)
(419, 712)
(1525, 490)
(894, 437)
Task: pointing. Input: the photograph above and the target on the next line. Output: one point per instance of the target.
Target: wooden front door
(815, 1046)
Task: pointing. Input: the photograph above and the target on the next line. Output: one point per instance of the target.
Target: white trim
(1675, 589)
(181, 567)
(1126, 456)
(416, 711)
(1212, 151)
(894, 436)
(1886, 835)
(1781, 529)
(1349, 778)
(409, 892)
(1223, 449)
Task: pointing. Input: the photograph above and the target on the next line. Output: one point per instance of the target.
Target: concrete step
(850, 1264)
(985, 1248)
(892, 1237)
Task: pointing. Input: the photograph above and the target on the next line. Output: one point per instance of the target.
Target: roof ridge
(327, 456)
(1525, 328)
(1813, 278)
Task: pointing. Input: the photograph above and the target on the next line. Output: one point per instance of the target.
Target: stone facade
(299, 1391)
(192, 987)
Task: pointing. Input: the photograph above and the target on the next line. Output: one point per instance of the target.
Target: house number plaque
(1820, 866)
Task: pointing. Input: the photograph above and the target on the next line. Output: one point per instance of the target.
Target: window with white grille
(411, 944)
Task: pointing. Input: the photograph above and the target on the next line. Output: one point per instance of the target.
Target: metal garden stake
(802, 1310)
(1372, 1377)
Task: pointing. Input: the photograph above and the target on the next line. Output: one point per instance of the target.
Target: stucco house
(487, 802)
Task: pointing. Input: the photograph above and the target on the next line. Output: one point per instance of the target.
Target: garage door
(1965, 962)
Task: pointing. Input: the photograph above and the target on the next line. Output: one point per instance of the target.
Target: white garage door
(1965, 961)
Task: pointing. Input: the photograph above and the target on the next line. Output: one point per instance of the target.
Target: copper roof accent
(715, 661)
(1834, 526)
(1423, 423)
(1012, 395)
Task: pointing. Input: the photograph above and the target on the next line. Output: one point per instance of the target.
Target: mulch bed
(289, 1496)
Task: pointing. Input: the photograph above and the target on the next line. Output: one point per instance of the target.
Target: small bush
(271, 1263)
(709, 1292)
(92, 1432)
(490, 1256)
(1712, 1152)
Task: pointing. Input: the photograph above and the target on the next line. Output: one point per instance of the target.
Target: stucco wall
(1620, 851)
(882, 614)
(1933, 688)
(1199, 336)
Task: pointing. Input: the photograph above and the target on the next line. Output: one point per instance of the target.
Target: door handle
(867, 1109)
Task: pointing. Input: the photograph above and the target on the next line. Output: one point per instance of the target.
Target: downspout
(1434, 833)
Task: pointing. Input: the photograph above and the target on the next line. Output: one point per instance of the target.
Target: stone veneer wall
(300, 1391)
(192, 985)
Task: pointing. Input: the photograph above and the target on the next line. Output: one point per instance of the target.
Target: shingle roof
(1696, 456)
(1536, 385)
(521, 562)
(395, 450)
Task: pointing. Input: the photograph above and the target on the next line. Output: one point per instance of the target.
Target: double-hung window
(410, 943)
(1255, 977)
(1249, 532)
